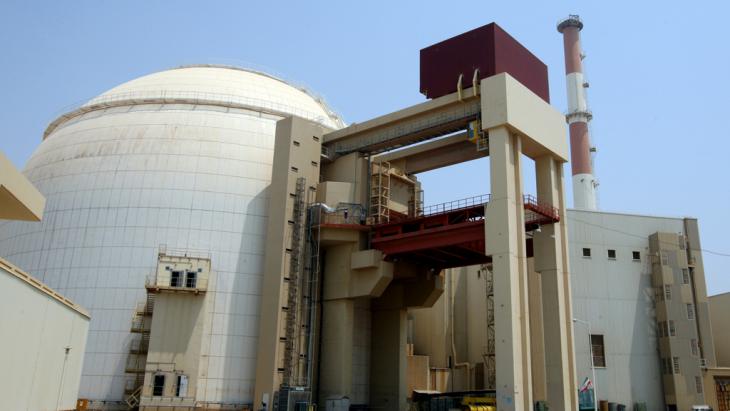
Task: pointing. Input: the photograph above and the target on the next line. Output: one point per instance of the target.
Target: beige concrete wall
(720, 320)
(19, 200)
(37, 325)
(297, 153)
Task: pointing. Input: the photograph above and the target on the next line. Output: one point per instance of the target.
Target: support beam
(425, 121)
(435, 154)
(506, 242)
(551, 261)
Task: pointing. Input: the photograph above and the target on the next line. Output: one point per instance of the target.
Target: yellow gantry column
(505, 242)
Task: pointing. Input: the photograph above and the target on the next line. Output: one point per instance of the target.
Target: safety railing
(455, 205)
(541, 207)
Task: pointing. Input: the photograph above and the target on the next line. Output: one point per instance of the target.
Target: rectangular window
(698, 384)
(176, 279)
(294, 169)
(675, 365)
(181, 390)
(611, 254)
(587, 252)
(191, 280)
(662, 328)
(665, 258)
(158, 385)
(682, 242)
(690, 312)
(694, 348)
(296, 143)
(672, 329)
(314, 164)
(667, 292)
(315, 138)
(598, 350)
(685, 276)
(636, 256)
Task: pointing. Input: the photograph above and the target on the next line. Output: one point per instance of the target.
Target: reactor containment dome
(182, 159)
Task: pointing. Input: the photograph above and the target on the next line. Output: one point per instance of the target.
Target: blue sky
(658, 74)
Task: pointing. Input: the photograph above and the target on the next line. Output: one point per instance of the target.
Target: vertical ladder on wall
(380, 192)
(489, 359)
(291, 330)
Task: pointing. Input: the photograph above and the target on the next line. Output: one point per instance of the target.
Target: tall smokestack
(584, 182)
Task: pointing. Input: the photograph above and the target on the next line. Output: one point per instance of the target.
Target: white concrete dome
(180, 158)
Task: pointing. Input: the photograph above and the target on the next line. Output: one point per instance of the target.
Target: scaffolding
(137, 357)
(380, 192)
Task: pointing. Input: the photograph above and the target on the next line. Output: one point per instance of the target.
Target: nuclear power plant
(230, 243)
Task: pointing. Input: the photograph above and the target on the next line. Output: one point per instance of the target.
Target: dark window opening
(315, 138)
(191, 279)
(586, 252)
(296, 143)
(176, 279)
(158, 385)
(612, 254)
(636, 255)
(598, 351)
(294, 169)
(181, 389)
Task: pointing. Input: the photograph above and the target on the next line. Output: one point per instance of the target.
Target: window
(682, 242)
(611, 254)
(685, 276)
(694, 348)
(296, 143)
(191, 279)
(636, 256)
(176, 279)
(315, 138)
(665, 258)
(314, 164)
(294, 169)
(667, 292)
(597, 348)
(675, 365)
(672, 329)
(698, 384)
(181, 389)
(662, 326)
(690, 312)
(158, 385)
(587, 252)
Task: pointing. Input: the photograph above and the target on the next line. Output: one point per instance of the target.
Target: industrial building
(237, 246)
(44, 333)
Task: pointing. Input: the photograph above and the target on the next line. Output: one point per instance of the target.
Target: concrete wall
(616, 297)
(719, 309)
(36, 327)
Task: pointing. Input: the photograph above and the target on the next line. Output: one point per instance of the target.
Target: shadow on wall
(243, 310)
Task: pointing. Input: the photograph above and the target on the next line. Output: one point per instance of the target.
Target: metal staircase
(380, 192)
(137, 358)
(489, 363)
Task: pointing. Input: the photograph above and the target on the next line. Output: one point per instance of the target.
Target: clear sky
(659, 74)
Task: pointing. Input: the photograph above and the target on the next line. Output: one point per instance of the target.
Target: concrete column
(388, 360)
(551, 259)
(336, 349)
(505, 242)
(537, 343)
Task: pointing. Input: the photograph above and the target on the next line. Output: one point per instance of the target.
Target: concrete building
(180, 158)
(719, 310)
(44, 333)
(640, 308)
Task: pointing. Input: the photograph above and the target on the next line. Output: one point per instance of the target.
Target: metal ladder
(291, 331)
(489, 359)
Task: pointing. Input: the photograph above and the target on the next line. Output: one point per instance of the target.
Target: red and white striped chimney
(584, 182)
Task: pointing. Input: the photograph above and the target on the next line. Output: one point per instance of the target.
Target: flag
(587, 385)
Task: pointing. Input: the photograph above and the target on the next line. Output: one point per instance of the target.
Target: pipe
(455, 365)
